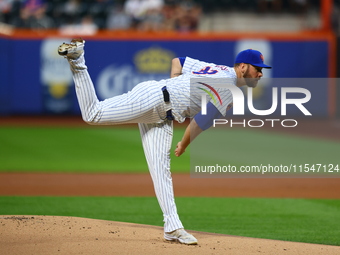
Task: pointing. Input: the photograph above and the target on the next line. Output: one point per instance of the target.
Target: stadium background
(40, 116)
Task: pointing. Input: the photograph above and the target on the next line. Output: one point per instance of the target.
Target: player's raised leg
(87, 98)
(157, 140)
(144, 103)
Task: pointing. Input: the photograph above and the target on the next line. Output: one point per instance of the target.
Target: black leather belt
(166, 97)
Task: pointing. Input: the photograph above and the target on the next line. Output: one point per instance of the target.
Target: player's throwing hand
(179, 149)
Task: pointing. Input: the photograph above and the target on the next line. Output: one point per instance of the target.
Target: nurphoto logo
(239, 103)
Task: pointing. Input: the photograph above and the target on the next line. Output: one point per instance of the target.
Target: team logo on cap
(262, 58)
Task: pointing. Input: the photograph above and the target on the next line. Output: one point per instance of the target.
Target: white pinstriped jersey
(145, 103)
(186, 99)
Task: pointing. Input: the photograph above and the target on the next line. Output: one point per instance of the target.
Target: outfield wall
(35, 80)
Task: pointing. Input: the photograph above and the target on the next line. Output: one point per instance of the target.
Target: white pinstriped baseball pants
(144, 105)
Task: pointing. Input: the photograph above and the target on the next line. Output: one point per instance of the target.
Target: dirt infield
(70, 235)
(59, 184)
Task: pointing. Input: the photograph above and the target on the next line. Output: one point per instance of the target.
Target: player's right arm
(182, 65)
(176, 67)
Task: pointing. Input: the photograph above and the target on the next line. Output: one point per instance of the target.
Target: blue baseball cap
(252, 57)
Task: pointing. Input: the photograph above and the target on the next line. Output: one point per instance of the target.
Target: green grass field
(85, 149)
(105, 149)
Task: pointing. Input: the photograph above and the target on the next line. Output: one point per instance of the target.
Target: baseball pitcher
(154, 105)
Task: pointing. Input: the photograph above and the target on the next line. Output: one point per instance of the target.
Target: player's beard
(251, 82)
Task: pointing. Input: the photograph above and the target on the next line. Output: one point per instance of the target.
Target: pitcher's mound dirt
(71, 235)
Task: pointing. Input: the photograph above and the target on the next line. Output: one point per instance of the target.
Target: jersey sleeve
(206, 121)
(182, 60)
